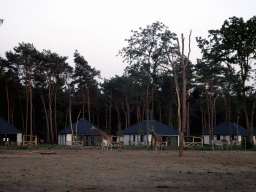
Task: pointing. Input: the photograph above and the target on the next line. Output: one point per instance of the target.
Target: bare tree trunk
(50, 115)
(12, 105)
(170, 114)
(178, 100)
(138, 103)
(97, 112)
(147, 114)
(110, 107)
(8, 102)
(46, 114)
(70, 116)
(181, 127)
(249, 124)
(106, 116)
(188, 122)
(31, 111)
(55, 117)
(126, 118)
(209, 120)
(26, 110)
(202, 116)
(129, 110)
(89, 103)
(118, 116)
(23, 126)
(83, 100)
(226, 109)
(159, 111)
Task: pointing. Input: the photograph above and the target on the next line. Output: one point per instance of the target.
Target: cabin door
(173, 141)
(87, 140)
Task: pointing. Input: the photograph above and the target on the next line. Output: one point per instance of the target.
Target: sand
(128, 170)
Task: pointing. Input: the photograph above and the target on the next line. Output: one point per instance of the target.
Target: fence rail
(189, 143)
(77, 143)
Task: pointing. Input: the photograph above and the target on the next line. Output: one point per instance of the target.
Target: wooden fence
(29, 140)
(191, 141)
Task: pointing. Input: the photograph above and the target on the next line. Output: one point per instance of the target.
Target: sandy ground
(128, 170)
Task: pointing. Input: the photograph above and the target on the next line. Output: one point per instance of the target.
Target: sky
(98, 28)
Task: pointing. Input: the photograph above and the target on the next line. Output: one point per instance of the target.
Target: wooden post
(36, 140)
(245, 143)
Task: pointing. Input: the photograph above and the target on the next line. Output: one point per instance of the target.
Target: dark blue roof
(7, 128)
(141, 128)
(83, 127)
(224, 129)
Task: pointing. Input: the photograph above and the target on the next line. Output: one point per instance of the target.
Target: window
(141, 138)
(218, 137)
(133, 138)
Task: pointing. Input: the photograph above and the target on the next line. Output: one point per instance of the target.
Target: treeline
(42, 94)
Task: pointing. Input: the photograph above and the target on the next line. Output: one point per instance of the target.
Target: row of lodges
(137, 134)
(133, 135)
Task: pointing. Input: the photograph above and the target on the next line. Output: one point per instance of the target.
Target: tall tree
(210, 77)
(25, 57)
(181, 95)
(145, 53)
(84, 78)
(53, 67)
(11, 85)
(235, 44)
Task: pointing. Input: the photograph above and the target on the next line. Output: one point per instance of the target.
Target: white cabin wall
(19, 138)
(225, 137)
(68, 139)
(62, 139)
(240, 138)
(59, 140)
(206, 139)
(128, 139)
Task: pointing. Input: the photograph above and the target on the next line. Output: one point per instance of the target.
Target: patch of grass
(46, 146)
(136, 147)
(39, 146)
(246, 144)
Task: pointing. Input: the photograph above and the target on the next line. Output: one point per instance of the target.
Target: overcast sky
(98, 28)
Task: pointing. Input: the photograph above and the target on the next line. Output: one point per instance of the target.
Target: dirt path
(129, 170)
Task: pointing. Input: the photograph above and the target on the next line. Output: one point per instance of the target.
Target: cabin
(82, 134)
(226, 130)
(137, 134)
(9, 135)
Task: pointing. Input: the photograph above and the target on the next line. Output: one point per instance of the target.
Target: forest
(42, 94)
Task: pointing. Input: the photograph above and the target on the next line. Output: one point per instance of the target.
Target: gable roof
(224, 129)
(141, 128)
(7, 128)
(83, 127)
